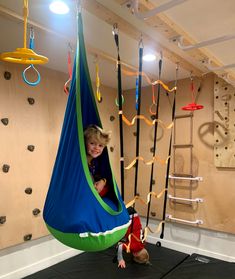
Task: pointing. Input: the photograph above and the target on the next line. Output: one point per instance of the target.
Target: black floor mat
(100, 265)
(202, 267)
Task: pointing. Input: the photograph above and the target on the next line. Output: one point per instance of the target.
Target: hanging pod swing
(74, 212)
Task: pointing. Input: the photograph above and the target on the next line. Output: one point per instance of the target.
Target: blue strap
(136, 92)
(31, 46)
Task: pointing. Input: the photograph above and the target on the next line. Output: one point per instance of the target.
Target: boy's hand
(122, 264)
(99, 185)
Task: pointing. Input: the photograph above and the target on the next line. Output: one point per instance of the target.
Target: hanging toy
(24, 55)
(31, 46)
(66, 88)
(98, 93)
(192, 106)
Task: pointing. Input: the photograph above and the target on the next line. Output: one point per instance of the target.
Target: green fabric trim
(81, 50)
(90, 243)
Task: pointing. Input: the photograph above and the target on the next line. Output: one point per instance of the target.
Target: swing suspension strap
(116, 38)
(136, 92)
(31, 46)
(169, 161)
(138, 108)
(138, 104)
(155, 138)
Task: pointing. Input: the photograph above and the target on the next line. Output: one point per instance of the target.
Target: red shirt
(135, 229)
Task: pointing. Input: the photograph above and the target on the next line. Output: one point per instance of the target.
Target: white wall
(28, 258)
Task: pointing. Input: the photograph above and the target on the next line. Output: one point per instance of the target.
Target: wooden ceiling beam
(169, 29)
(110, 17)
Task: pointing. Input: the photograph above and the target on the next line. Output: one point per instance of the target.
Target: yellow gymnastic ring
(23, 56)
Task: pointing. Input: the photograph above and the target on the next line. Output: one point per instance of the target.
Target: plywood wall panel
(37, 124)
(216, 189)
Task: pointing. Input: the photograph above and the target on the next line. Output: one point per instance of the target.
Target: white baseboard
(28, 261)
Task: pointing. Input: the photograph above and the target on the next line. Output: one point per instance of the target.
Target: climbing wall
(224, 116)
(31, 119)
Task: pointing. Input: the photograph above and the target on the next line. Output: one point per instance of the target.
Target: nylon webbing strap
(138, 113)
(169, 161)
(155, 138)
(116, 38)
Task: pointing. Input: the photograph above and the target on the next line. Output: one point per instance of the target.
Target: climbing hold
(111, 148)
(153, 214)
(3, 219)
(112, 118)
(5, 121)
(31, 101)
(31, 148)
(5, 168)
(153, 116)
(7, 75)
(28, 190)
(135, 134)
(36, 211)
(27, 237)
(151, 149)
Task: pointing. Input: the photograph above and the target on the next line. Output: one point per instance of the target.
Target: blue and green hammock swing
(74, 212)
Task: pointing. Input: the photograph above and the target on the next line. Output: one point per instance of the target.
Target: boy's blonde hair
(141, 257)
(95, 132)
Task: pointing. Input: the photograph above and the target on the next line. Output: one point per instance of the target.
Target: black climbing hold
(153, 182)
(135, 134)
(31, 148)
(111, 148)
(5, 121)
(153, 117)
(153, 214)
(7, 75)
(5, 168)
(31, 101)
(112, 118)
(28, 191)
(36, 211)
(27, 237)
(151, 149)
(3, 219)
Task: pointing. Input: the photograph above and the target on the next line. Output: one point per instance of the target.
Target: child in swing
(136, 245)
(96, 139)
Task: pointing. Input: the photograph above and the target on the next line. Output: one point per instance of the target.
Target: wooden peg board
(224, 120)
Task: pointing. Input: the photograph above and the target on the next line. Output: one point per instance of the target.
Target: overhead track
(204, 43)
(159, 9)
